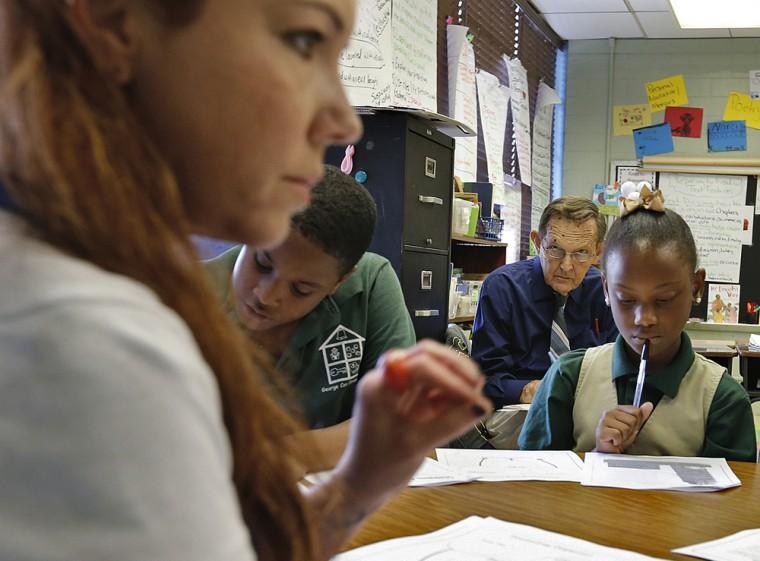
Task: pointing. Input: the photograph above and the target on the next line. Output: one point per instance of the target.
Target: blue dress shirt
(512, 328)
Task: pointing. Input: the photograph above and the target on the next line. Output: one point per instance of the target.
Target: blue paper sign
(655, 139)
(727, 136)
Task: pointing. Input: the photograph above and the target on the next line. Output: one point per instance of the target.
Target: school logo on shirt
(342, 352)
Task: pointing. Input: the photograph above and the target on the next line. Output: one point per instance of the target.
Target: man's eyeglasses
(554, 252)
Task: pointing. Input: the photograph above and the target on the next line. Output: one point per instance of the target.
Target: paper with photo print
(723, 303)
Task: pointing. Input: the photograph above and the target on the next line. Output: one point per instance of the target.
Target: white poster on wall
(494, 104)
(511, 213)
(391, 57)
(754, 84)
(415, 37)
(518, 84)
(463, 99)
(541, 167)
(364, 65)
(713, 207)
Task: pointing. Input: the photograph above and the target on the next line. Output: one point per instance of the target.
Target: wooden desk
(749, 368)
(722, 354)
(650, 522)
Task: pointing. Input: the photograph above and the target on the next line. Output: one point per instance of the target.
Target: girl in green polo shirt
(691, 405)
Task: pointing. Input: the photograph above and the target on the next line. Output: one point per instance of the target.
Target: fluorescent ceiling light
(716, 14)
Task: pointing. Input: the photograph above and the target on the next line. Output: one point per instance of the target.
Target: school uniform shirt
(513, 322)
(112, 440)
(340, 340)
(705, 412)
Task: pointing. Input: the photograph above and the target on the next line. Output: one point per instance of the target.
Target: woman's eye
(262, 267)
(304, 42)
(626, 301)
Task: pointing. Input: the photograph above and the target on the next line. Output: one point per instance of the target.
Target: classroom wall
(711, 68)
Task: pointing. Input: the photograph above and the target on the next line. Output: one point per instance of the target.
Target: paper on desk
(434, 474)
(429, 474)
(667, 473)
(514, 465)
(742, 546)
(488, 539)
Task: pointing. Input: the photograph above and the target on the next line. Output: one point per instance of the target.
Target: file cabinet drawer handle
(426, 313)
(427, 200)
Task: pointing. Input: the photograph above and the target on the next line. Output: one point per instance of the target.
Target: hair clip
(640, 196)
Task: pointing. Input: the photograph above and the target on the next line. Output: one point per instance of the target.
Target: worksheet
(433, 474)
(669, 473)
(742, 546)
(514, 465)
(488, 539)
(430, 474)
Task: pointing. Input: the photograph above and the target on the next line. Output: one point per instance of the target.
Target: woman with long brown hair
(133, 419)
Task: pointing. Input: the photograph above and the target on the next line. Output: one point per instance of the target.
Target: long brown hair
(78, 163)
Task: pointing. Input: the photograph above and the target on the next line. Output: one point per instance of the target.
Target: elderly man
(532, 311)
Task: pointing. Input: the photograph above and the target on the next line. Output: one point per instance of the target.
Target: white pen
(642, 374)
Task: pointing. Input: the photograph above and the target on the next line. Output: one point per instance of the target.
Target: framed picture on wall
(629, 170)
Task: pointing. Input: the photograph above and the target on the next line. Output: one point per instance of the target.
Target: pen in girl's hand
(642, 374)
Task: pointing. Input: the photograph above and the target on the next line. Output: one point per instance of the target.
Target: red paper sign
(685, 121)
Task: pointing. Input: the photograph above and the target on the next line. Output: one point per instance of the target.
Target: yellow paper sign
(668, 91)
(741, 107)
(625, 118)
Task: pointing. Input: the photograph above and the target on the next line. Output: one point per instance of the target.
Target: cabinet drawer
(428, 193)
(424, 280)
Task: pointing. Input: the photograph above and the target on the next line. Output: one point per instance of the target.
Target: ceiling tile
(663, 25)
(594, 26)
(572, 6)
(650, 5)
(746, 32)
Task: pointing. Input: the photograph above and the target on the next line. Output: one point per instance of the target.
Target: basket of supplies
(490, 228)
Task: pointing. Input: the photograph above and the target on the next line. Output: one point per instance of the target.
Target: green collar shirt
(729, 431)
(340, 340)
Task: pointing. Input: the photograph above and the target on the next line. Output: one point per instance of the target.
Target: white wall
(711, 67)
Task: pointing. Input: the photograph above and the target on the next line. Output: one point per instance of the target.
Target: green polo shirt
(729, 432)
(341, 339)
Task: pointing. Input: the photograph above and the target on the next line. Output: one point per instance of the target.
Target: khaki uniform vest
(676, 427)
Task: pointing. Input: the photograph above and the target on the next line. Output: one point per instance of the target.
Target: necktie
(559, 343)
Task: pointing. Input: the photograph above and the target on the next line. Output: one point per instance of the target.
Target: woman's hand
(619, 427)
(415, 400)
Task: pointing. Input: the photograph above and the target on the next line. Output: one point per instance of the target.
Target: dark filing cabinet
(409, 168)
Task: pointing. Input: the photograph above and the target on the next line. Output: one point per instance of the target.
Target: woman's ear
(107, 29)
(698, 284)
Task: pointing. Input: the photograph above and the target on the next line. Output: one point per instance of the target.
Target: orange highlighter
(397, 374)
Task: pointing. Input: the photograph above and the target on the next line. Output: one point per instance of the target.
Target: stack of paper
(488, 539)
(667, 473)
(754, 342)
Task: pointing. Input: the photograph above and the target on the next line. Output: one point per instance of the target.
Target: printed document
(667, 473)
(488, 539)
(514, 465)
